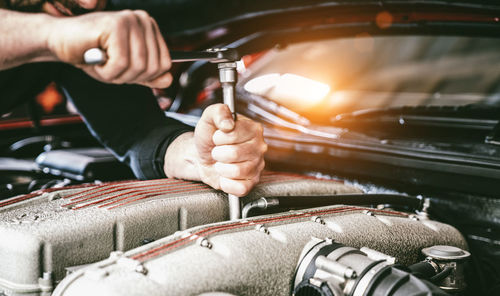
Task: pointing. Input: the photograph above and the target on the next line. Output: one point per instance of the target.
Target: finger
(244, 131)
(138, 53)
(239, 152)
(152, 70)
(165, 61)
(116, 46)
(240, 171)
(163, 81)
(239, 188)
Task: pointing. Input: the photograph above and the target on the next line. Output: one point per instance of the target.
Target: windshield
(324, 78)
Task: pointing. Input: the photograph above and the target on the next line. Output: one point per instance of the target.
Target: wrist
(181, 158)
(24, 38)
(53, 31)
(42, 28)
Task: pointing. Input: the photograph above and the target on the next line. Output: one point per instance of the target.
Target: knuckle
(142, 13)
(259, 128)
(119, 24)
(262, 165)
(166, 64)
(264, 147)
(125, 17)
(139, 66)
(107, 76)
(211, 108)
(121, 64)
(152, 70)
(218, 107)
(127, 13)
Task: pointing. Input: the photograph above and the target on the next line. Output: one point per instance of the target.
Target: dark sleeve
(124, 118)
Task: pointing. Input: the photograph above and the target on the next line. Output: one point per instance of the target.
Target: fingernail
(227, 124)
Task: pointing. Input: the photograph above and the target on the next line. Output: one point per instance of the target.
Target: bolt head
(141, 269)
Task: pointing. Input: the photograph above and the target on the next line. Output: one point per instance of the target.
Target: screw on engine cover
(414, 217)
(318, 219)
(262, 228)
(203, 241)
(141, 269)
(54, 196)
(329, 240)
(369, 213)
(147, 241)
(350, 273)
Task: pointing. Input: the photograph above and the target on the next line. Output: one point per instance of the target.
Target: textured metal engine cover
(257, 256)
(44, 233)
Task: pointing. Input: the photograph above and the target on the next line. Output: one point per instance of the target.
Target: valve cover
(257, 256)
(46, 232)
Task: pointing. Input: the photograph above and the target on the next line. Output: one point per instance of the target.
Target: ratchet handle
(97, 56)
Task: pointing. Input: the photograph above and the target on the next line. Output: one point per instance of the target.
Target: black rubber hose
(442, 275)
(423, 270)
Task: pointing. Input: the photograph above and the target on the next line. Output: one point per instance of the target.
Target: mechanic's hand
(231, 154)
(137, 53)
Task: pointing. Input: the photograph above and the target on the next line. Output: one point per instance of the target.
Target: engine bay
(381, 178)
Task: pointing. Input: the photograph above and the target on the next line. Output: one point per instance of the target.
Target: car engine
(168, 237)
(259, 256)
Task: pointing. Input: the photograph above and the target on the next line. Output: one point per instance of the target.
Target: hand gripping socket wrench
(226, 59)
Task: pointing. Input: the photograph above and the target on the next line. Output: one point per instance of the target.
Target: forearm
(24, 38)
(181, 158)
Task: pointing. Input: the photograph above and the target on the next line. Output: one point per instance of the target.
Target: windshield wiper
(471, 111)
(474, 116)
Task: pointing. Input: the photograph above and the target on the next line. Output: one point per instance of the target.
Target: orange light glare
(49, 98)
(293, 91)
(262, 85)
(384, 19)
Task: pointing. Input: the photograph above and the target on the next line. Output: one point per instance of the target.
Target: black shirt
(124, 118)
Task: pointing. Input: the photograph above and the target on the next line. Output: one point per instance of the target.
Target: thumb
(215, 117)
(220, 117)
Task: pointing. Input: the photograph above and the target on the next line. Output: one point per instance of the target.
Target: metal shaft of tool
(227, 76)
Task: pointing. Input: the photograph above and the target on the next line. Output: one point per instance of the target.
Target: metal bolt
(203, 241)
(369, 213)
(414, 217)
(141, 269)
(318, 220)
(350, 274)
(147, 241)
(54, 196)
(47, 275)
(262, 228)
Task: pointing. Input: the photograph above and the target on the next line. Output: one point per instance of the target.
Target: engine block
(256, 256)
(48, 232)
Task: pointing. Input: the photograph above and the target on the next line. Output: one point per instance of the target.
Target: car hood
(192, 24)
